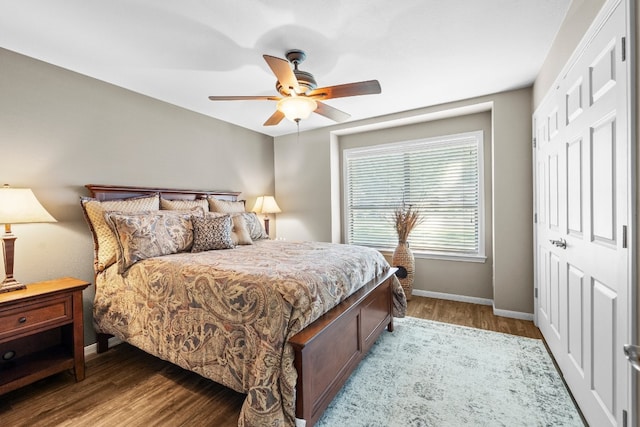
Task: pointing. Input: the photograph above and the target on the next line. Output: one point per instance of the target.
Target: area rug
(435, 374)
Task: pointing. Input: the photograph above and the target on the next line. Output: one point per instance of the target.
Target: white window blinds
(442, 177)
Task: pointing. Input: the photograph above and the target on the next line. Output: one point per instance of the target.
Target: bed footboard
(328, 350)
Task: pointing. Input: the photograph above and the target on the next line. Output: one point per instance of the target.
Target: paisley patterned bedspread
(227, 314)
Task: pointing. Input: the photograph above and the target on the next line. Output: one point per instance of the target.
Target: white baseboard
(474, 300)
(93, 348)
(452, 297)
(513, 314)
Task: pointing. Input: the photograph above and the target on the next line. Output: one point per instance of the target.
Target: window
(442, 177)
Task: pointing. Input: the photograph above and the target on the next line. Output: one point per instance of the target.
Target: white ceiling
(423, 52)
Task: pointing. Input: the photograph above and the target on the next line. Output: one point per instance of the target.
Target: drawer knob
(22, 320)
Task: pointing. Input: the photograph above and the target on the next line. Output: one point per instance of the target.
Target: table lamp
(17, 206)
(266, 205)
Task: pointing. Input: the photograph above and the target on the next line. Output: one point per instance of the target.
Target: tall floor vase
(403, 257)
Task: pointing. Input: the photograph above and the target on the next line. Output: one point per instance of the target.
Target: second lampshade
(266, 205)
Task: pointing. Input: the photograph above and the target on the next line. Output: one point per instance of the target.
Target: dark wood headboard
(111, 192)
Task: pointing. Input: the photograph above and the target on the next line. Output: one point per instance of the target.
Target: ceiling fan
(300, 95)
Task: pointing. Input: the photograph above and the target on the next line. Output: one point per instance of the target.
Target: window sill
(443, 257)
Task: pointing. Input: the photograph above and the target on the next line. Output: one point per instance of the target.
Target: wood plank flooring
(127, 387)
(471, 315)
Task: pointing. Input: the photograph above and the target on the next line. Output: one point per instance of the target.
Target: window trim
(480, 256)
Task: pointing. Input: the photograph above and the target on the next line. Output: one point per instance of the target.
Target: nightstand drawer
(38, 315)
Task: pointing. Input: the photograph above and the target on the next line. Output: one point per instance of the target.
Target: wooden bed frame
(328, 350)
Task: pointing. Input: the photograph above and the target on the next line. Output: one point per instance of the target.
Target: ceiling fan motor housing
(305, 80)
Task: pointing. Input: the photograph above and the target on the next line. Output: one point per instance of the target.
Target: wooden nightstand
(41, 332)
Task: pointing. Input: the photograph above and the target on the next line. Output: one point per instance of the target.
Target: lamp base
(11, 284)
(266, 224)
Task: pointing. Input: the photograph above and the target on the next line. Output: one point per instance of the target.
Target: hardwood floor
(472, 315)
(127, 387)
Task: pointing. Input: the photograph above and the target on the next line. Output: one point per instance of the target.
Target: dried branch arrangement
(406, 218)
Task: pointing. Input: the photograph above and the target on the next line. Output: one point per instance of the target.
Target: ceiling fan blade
(244, 98)
(331, 113)
(275, 118)
(282, 69)
(368, 87)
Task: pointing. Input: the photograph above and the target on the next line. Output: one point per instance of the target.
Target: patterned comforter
(228, 314)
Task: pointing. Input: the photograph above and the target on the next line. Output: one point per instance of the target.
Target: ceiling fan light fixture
(296, 108)
(298, 92)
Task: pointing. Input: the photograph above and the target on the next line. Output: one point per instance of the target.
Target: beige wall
(60, 130)
(303, 172)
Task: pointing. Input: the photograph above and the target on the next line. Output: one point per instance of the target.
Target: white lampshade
(296, 108)
(19, 205)
(266, 205)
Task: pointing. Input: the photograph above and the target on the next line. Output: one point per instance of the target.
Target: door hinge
(623, 47)
(534, 142)
(624, 237)
(535, 218)
(535, 292)
(624, 418)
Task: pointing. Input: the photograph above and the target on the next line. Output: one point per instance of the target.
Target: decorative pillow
(239, 232)
(254, 225)
(103, 237)
(212, 232)
(184, 204)
(225, 206)
(146, 235)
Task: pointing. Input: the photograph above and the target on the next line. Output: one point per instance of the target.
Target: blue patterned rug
(434, 374)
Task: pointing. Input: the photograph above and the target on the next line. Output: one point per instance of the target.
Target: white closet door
(582, 195)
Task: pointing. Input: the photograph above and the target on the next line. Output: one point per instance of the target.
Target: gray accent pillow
(147, 235)
(254, 225)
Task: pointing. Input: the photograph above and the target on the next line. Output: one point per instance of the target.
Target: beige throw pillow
(184, 204)
(239, 232)
(103, 236)
(225, 206)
